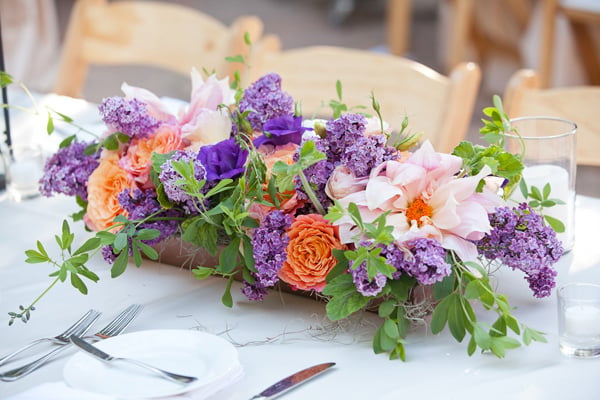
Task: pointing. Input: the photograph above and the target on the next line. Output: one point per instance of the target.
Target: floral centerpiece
(346, 207)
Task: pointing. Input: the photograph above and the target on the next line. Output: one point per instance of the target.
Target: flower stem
(311, 194)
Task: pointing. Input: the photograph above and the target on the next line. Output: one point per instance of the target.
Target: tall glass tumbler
(549, 158)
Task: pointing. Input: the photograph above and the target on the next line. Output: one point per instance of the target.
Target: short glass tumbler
(579, 320)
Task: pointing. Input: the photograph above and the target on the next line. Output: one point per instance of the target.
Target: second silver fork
(113, 328)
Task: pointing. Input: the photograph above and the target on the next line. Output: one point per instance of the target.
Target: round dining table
(287, 332)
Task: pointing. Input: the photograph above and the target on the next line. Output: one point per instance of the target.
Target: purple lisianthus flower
(281, 130)
(128, 116)
(68, 170)
(223, 160)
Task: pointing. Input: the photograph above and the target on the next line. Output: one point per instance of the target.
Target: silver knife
(96, 352)
(292, 381)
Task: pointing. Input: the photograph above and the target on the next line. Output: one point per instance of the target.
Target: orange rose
(309, 252)
(138, 159)
(104, 186)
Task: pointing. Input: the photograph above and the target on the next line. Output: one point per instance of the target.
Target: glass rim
(569, 285)
(569, 132)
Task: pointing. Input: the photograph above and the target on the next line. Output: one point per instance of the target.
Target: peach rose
(138, 158)
(309, 252)
(104, 186)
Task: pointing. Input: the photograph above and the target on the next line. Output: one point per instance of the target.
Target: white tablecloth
(286, 333)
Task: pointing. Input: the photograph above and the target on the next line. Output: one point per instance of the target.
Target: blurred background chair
(581, 15)
(525, 97)
(439, 106)
(158, 34)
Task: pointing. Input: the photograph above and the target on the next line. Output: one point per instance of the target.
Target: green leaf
(386, 308)
(203, 272)
(64, 117)
(482, 337)
(235, 59)
(391, 329)
(147, 234)
(440, 315)
(472, 346)
(228, 257)
(137, 256)
(89, 245)
(456, 318)
(78, 283)
(119, 265)
(5, 79)
(474, 289)
(338, 89)
(555, 224)
(148, 251)
(442, 289)
(121, 241)
(33, 257)
(227, 299)
(345, 300)
(49, 124)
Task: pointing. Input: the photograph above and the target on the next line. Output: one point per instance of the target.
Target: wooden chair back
(525, 97)
(159, 34)
(582, 16)
(439, 106)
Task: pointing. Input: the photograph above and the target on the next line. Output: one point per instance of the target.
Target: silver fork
(62, 338)
(114, 327)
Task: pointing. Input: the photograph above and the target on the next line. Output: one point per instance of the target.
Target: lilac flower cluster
(423, 259)
(349, 146)
(265, 100)
(68, 170)
(168, 177)
(520, 239)
(269, 243)
(140, 205)
(128, 116)
(345, 144)
(365, 286)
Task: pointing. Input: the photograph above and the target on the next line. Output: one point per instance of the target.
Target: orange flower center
(418, 209)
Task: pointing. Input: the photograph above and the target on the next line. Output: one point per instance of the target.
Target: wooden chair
(437, 105)
(466, 29)
(159, 34)
(581, 16)
(525, 97)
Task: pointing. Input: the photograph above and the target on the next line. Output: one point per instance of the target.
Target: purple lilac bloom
(397, 258)
(428, 264)
(254, 292)
(349, 146)
(281, 130)
(223, 160)
(128, 116)
(141, 204)
(365, 286)
(108, 254)
(168, 177)
(520, 240)
(68, 170)
(265, 100)
(269, 244)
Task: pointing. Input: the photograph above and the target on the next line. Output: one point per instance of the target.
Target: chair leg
(549, 11)
(587, 51)
(398, 25)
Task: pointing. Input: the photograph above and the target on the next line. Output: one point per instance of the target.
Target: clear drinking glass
(549, 158)
(24, 172)
(579, 319)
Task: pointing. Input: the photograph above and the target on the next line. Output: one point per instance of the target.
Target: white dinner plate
(208, 357)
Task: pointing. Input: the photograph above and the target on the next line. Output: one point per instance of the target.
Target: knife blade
(85, 346)
(292, 381)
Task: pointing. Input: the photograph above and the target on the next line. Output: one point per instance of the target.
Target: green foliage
(539, 200)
